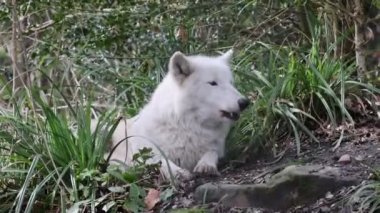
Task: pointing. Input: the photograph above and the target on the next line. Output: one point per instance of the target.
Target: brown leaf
(181, 33)
(152, 198)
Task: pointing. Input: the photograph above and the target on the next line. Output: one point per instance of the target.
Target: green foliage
(49, 161)
(297, 90)
(51, 136)
(368, 195)
(135, 201)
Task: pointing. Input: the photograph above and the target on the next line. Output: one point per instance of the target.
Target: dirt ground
(360, 143)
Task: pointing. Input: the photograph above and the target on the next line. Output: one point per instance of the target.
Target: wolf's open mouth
(230, 115)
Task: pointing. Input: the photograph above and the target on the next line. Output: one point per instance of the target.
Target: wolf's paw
(206, 168)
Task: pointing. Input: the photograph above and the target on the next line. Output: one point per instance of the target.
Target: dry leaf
(181, 33)
(152, 198)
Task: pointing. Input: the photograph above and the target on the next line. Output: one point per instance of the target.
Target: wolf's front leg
(208, 164)
(169, 168)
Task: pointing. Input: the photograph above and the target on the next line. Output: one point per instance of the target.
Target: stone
(324, 209)
(345, 159)
(329, 196)
(359, 158)
(294, 185)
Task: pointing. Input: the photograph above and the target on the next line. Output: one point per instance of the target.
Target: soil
(360, 143)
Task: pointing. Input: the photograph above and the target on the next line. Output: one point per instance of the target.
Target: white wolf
(188, 117)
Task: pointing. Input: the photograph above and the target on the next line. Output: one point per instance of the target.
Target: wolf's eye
(212, 83)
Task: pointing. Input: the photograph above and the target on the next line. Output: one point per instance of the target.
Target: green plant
(368, 195)
(45, 152)
(51, 164)
(296, 91)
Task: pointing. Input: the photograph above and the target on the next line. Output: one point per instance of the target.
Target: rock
(345, 159)
(359, 158)
(329, 196)
(294, 185)
(324, 209)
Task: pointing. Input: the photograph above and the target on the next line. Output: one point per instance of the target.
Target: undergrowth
(52, 161)
(295, 92)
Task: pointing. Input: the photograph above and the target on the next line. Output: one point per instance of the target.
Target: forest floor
(357, 155)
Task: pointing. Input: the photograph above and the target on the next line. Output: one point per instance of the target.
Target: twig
(275, 169)
(43, 26)
(339, 141)
(279, 158)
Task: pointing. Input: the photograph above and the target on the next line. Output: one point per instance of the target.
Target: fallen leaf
(181, 33)
(152, 198)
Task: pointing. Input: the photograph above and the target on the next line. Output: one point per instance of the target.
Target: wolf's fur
(186, 117)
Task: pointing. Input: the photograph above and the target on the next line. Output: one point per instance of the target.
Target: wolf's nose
(243, 103)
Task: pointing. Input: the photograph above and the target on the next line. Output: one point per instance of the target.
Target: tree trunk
(359, 37)
(20, 77)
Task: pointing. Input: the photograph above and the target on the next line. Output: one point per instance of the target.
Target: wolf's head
(207, 87)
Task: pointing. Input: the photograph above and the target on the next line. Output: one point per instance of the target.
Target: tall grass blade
(327, 108)
(297, 137)
(36, 190)
(21, 195)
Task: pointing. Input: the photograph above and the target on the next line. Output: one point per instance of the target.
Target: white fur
(183, 117)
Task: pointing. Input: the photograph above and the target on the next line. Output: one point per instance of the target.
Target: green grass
(52, 160)
(51, 163)
(46, 152)
(295, 92)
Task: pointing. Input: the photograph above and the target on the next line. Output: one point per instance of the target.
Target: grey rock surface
(294, 185)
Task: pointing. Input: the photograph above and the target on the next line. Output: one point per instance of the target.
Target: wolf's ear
(227, 56)
(179, 66)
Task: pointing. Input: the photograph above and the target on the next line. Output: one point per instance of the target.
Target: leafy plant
(368, 195)
(67, 163)
(296, 91)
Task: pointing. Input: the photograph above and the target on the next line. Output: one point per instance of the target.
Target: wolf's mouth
(230, 115)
